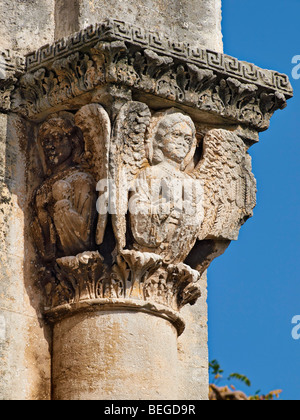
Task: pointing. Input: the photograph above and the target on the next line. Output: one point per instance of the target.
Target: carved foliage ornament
(11, 67)
(123, 206)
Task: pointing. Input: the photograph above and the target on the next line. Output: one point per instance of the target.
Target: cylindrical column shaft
(117, 355)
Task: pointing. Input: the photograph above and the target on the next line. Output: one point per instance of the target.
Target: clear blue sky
(254, 289)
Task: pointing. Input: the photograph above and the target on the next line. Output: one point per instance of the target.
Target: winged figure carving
(65, 204)
(164, 186)
(164, 200)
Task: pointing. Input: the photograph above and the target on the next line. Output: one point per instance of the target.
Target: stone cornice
(214, 87)
(114, 30)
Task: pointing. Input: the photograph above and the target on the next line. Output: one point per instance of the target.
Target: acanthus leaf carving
(11, 67)
(142, 265)
(81, 274)
(157, 65)
(187, 281)
(272, 101)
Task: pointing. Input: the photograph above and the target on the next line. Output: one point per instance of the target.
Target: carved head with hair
(62, 142)
(172, 137)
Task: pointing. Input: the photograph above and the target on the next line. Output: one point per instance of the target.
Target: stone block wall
(195, 21)
(24, 339)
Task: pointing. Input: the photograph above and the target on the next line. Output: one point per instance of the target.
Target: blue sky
(254, 289)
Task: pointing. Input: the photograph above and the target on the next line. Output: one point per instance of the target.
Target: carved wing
(127, 158)
(95, 124)
(229, 185)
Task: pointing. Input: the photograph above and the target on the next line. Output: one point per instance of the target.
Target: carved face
(57, 146)
(172, 136)
(177, 143)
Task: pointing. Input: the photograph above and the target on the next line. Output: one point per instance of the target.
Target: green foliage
(271, 396)
(215, 369)
(241, 378)
(217, 372)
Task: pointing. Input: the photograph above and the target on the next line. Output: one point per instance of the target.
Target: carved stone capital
(147, 177)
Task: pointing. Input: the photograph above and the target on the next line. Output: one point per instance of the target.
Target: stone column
(199, 23)
(120, 355)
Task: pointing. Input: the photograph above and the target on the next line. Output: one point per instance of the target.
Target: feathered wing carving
(95, 124)
(127, 159)
(229, 185)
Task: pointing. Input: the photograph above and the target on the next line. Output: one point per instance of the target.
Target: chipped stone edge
(129, 305)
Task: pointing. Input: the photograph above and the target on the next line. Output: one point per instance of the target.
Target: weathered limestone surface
(24, 340)
(193, 349)
(164, 200)
(140, 360)
(195, 21)
(26, 24)
(24, 347)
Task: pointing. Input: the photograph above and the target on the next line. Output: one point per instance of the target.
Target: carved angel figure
(162, 189)
(65, 203)
(166, 207)
(164, 200)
